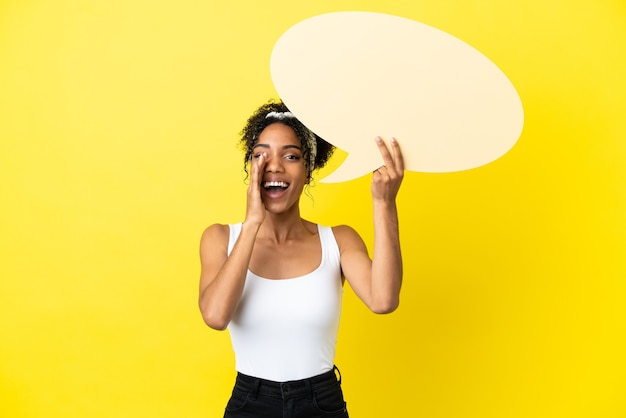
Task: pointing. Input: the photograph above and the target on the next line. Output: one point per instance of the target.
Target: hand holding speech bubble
(351, 76)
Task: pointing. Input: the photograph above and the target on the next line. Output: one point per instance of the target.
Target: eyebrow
(284, 146)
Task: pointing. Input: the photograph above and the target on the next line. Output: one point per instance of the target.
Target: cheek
(302, 179)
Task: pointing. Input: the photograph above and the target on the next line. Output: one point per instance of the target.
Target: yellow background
(118, 128)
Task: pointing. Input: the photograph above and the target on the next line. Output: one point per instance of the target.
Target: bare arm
(223, 277)
(377, 281)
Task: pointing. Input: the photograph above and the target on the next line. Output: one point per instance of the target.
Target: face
(284, 174)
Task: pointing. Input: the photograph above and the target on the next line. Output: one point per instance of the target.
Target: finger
(261, 167)
(384, 151)
(397, 155)
(257, 169)
(381, 175)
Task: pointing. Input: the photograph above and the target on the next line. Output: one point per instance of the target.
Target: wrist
(384, 204)
(252, 226)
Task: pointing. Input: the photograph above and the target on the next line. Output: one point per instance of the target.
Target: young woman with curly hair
(276, 280)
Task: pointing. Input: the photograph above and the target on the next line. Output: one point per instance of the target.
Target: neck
(283, 226)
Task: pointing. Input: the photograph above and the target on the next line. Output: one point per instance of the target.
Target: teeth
(275, 184)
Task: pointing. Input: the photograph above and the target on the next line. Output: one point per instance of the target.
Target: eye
(292, 157)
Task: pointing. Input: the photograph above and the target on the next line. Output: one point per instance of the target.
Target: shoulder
(217, 230)
(343, 230)
(215, 235)
(346, 236)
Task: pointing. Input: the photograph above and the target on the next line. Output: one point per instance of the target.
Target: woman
(275, 280)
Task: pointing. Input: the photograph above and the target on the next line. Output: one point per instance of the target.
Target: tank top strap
(235, 230)
(329, 244)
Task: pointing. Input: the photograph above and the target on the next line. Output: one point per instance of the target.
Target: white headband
(310, 138)
(279, 115)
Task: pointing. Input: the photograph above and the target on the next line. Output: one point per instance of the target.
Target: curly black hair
(259, 121)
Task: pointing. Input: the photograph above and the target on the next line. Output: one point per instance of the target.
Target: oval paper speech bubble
(350, 76)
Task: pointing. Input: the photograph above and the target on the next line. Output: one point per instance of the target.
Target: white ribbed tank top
(287, 329)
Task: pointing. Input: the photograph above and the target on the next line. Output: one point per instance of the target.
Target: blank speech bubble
(350, 76)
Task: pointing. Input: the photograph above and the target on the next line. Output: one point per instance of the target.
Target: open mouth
(275, 186)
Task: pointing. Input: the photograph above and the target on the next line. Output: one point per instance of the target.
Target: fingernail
(393, 140)
(378, 139)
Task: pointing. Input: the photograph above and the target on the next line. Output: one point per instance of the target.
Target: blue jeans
(316, 397)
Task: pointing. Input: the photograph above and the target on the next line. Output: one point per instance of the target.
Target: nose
(273, 164)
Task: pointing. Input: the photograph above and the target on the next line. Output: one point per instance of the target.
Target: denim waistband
(289, 388)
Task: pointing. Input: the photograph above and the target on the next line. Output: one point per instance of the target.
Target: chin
(278, 208)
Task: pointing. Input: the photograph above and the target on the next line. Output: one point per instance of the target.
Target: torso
(285, 325)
